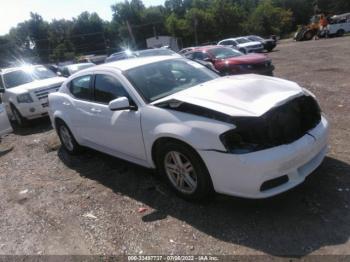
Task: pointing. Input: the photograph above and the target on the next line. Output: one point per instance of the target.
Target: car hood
(243, 95)
(37, 84)
(249, 44)
(247, 59)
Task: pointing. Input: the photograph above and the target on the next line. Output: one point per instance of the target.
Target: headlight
(24, 98)
(234, 143)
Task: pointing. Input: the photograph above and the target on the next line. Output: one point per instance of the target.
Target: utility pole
(195, 24)
(131, 33)
(154, 31)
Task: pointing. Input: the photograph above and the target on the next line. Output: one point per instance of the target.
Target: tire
(242, 50)
(19, 119)
(69, 144)
(340, 33)
(308, 35)
(173, 158)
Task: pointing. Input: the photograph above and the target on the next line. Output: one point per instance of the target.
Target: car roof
(227, 39)
(12, 69)
(206, 48)
(127, 64)
(233, 38)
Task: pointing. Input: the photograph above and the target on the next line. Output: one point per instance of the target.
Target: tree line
(193, 21)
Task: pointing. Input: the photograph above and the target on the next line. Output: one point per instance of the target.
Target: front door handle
(95, 110)
(66, 104)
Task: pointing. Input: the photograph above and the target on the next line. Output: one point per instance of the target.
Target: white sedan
(247, 135)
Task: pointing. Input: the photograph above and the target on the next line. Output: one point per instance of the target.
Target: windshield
(255, 38)
(160, 79)
(26, 75)
(41, 72)
(242, 40)
(222, 53)
(17, 78)
(154, 52)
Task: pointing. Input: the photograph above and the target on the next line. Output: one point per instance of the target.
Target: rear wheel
(67, 139)
(184, 170)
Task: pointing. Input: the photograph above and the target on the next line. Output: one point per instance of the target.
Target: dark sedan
(269, 44)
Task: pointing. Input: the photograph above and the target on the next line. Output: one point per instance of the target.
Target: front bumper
(255, 50)
(33, 110)
(270, 45)
(268, 71)
(243, 175)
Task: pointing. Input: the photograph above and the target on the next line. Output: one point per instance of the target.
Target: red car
(229, 61)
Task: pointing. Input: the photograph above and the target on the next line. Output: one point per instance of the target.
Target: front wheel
(184, 171)
(242, 50)
(19, 119)
(67, 139)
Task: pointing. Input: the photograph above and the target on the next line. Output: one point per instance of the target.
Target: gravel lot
(51, 203)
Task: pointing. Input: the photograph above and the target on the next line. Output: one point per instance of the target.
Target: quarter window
(108, 88)
(80, 87)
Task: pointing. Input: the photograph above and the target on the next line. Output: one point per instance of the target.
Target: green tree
(88, 34)
(268, 19)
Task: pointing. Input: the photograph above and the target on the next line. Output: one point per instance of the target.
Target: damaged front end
(283, 124)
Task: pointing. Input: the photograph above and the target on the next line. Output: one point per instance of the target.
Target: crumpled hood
(241, 95)
(37, 84)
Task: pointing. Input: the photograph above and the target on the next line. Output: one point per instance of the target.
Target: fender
(193, 134)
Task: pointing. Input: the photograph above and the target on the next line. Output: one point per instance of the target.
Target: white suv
(25, 91)
(247, 135)
(243, 44)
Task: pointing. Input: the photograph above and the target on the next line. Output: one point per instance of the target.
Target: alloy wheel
(180, 172)
(66, 138)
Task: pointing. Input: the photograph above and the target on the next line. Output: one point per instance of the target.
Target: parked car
(95, 59)
(339, 25)
(248, 135)
(229, 61)
(120, 56)
(186, 50)
(243, 45)
(69, 70)
(269, 44)
(25, 91)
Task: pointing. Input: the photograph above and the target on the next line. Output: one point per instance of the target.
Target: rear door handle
(66, 104)
(95, 110)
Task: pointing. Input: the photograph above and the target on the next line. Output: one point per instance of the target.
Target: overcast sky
(13, 12)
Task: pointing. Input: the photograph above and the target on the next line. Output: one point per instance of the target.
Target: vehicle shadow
(296, 223)
(32, 127)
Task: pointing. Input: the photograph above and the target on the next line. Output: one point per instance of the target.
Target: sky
(13, 12)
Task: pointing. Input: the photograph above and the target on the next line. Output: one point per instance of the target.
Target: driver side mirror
(121, 103)
(2, 90)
